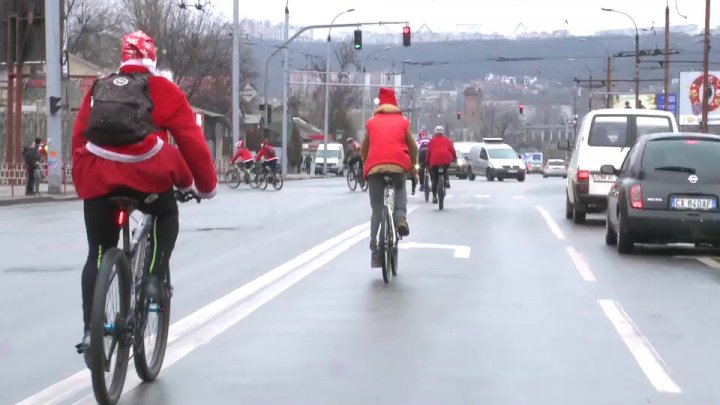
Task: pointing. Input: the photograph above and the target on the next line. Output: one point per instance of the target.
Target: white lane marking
(482, 196)
(645, 355)
(581, 265)
(178, 330)
(706, 260)
(518, 197)
(219, 325)
(551, 223)
(461, 252)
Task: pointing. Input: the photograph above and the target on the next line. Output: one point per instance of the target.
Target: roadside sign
(248, 93)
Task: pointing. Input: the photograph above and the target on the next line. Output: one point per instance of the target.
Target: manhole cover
(38, 269)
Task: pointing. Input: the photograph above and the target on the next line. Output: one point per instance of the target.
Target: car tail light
(636, 200)
(583, 175)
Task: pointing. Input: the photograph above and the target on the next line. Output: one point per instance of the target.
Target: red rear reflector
(636, 196)
(121, 218)
(583, 175)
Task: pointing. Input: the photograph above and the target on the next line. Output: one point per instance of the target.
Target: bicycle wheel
(257, 179)
(264, 180)
(278, 181)
(363, 184)
(441, 193)
(351, 180)
(233, 178)
(151, 336)
(108, 327)
(386, 253)
(427, 186)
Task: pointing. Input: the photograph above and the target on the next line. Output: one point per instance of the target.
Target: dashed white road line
(581, 265)
(647, 358)
(518, 197)
(482, 196)
(461, 252)
(551, 223)
(706, 260)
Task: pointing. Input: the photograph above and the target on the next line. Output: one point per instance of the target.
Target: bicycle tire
(235, 181)
(264, 181)
(257, 179)
(386, 246)
(364, 185)
(278, 181)
(427, 187)
(441, 193)
(114, 263)
(351, 180)
(149, 372)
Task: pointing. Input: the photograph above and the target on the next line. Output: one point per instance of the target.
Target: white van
(335, 155)
(495, 159)
(605, 137)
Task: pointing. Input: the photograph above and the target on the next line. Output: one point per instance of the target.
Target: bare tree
(93, 30)
(497, 119)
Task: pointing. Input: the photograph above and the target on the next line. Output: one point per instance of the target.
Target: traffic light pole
(54, 88)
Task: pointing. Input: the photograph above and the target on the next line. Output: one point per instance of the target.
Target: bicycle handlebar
(187, 196)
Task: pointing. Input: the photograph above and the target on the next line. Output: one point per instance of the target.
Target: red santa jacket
(243, 154)
(266, 152)
(441, 151)
(152, 165)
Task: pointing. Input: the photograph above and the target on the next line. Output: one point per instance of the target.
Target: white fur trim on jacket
(208, 196)
(122, 157)
(149, 64)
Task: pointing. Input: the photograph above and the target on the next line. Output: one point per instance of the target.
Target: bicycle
(388, 237)
(441, 187)
(354, 177)
(272, 177)
(128, 324)
(427, 183)
(239, 174)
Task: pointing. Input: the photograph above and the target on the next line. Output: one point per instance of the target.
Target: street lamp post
(327, 90)
(590, 80)
(637, 54)
(364, 99)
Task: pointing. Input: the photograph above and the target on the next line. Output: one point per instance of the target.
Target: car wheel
(565, 177)
(568, 208)
(545, 176)
(578, 215)
(488, 175)
(501, 179)
(471, 175)
(610, 235)
(624, 241)
(521, 179)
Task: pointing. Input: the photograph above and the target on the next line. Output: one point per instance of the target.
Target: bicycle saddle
(124, 202)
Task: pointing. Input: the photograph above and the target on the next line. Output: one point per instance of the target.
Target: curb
(34, 200)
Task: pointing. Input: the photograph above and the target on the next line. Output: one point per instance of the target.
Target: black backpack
(120, 107)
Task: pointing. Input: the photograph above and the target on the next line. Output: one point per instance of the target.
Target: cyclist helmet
(239, 144)
(439, 130)
(423, 134)
(264, 143)
(349, 140)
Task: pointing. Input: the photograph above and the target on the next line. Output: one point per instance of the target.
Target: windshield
(609, 131)
(682, 156)
(502, 153)
(331, 154)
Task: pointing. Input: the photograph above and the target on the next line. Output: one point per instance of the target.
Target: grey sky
(503, 16)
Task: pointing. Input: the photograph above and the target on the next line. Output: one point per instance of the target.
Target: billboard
(690, 98)
(649, 101)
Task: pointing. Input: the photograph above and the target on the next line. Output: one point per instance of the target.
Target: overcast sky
(502, 16)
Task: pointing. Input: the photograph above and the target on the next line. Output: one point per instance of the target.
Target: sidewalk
(19, 197)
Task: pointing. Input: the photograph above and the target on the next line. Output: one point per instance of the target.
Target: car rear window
(700, 155)
(536, 157)
(551, 163)
(650, 125)
(609, 131)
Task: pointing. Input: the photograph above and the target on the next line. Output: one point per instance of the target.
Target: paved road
(499, 300)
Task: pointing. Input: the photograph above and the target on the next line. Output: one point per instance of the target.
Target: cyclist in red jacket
(243, 155)
(137, 161)
(267, 152)
(441, 153)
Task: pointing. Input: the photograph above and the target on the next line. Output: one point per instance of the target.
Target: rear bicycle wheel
(441, 194)
(233, 178)
(363, 182)
(278, 181)
(427, 187)
(151, 335)
(387, 246)
(109, 334)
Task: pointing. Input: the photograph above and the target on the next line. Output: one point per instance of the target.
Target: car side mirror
(564, 144)
(608, 169)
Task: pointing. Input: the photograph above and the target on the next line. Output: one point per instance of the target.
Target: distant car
(534, 162)
(604, 137)
(463, 148)
(555, 168)
(459, 168)
(495, 159)
(666, 192)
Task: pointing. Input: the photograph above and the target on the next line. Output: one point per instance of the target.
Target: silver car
(555, 168)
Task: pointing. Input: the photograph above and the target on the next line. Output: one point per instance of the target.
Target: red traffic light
(458, 114)
(406, 35)
(521, 107)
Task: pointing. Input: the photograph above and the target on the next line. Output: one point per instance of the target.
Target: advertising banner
(690, 98)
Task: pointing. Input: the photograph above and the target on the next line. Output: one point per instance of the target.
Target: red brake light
(121, 218)
(636, 200)
(691, 142)
(583, 175)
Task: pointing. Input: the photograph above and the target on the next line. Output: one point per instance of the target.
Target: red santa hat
(387, 96)
(138, 49)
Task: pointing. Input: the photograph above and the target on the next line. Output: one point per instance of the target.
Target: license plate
(684, 203)
(512, 171)
(605, 178)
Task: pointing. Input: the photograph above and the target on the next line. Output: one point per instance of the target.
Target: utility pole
(285, 95)
(236, 73)
(666, 65)
(706, 67)
(53, 83)
(590, 87)
(637, 69)
(609, 81)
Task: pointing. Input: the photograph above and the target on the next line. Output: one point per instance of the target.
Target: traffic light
(54, 104)
(358, 40)
(406, 35)
(521, 108)
(458, 114)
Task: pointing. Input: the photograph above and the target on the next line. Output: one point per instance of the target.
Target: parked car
(604, 137)
(555, 168)
(666, 192)
(496, 159)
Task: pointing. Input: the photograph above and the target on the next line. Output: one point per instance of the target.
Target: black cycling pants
(103, 233)
(358, 160)
(272, 164)
(434, 173)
